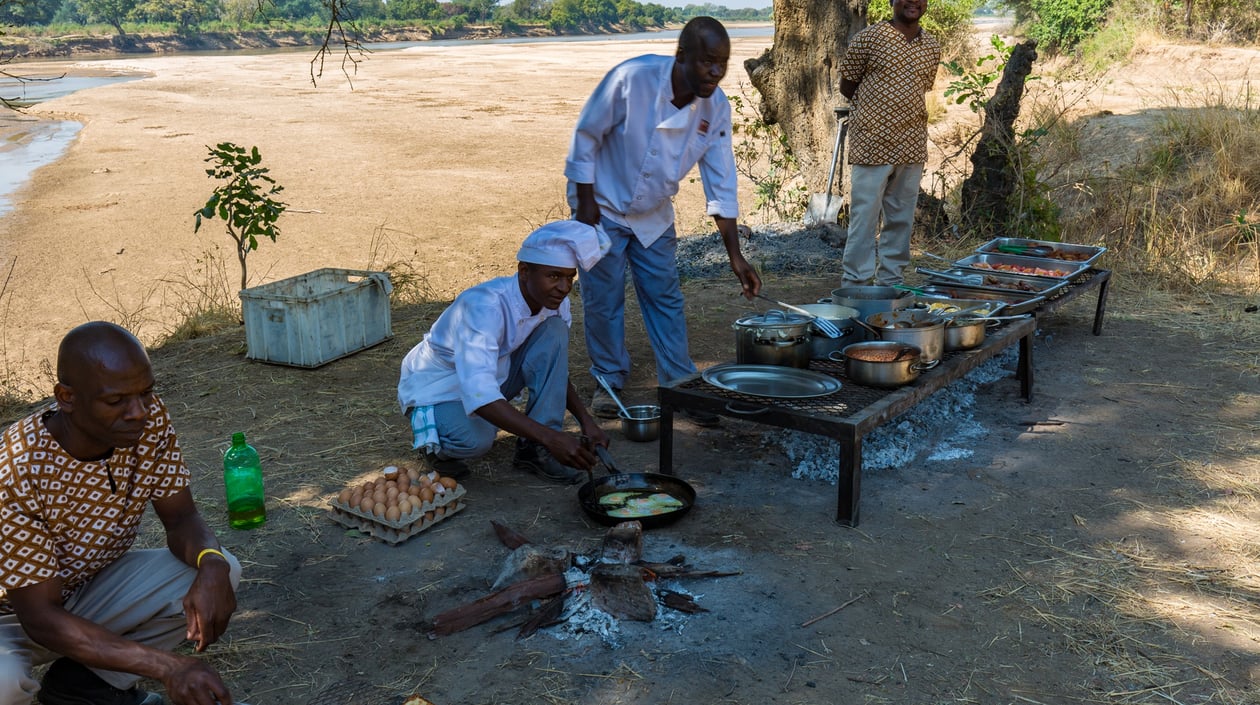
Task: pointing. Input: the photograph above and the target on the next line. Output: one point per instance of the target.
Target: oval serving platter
(771, 381)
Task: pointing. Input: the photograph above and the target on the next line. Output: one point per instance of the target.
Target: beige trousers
(875, 253)
(139, 597)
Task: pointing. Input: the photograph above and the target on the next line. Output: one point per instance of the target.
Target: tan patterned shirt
(889, 120)
(62, 517)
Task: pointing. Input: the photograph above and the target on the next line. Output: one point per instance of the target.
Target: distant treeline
(188, 16)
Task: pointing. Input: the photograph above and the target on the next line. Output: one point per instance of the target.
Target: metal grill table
(845, 416)
(1089, 280)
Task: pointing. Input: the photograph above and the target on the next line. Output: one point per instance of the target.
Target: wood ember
(619, 581)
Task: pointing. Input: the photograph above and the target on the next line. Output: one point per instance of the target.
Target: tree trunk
(798, 77)
(987, 191)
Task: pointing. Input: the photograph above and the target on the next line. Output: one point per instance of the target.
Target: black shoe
(69, 682)
(702, 418)
(453, 468)
(534, 457)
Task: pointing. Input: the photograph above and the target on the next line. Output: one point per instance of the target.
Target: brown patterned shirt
(62, 517)
(889, 120)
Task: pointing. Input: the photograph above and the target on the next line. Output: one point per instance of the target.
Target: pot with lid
(772, 338)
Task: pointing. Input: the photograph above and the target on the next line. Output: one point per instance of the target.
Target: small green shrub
(244, 201)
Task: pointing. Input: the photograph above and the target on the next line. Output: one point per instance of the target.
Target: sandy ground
(456, 151)
(1096, 545)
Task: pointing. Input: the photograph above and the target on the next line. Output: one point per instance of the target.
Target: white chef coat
(466, 355)
(635, 147)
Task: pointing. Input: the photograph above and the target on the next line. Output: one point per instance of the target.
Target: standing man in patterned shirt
(74, 481)
(651, 119)
(887, 70)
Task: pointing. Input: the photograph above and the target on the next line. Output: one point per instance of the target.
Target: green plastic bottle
(242, 478)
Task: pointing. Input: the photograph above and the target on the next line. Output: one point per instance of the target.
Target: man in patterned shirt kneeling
(75, 477)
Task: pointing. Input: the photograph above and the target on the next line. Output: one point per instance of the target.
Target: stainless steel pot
(882, 363)
(870, 299)
(643, 423)
(820, 346)
(965, 334)
(772, 338)
(922, 329)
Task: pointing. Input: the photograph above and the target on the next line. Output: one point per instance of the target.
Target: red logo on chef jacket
(704, 127)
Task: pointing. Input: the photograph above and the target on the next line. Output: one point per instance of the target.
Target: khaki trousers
(139, 597)
(887, 192)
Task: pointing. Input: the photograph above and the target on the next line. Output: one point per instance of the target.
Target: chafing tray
(1062, 251)
(1035, 266)
(771, 381)
(1016, 302)
(926, 300)
(1001, 283)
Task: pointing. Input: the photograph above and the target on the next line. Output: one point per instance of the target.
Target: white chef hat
(565, 243)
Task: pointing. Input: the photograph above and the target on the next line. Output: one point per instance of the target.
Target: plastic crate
(317, 317)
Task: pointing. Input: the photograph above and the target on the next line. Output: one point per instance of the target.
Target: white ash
(784, 248)
(581, 618)
(938, 429)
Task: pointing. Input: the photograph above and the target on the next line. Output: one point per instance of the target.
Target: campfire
(582, 592)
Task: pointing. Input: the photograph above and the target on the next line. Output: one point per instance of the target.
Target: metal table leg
(1102, 302)
(849, 479)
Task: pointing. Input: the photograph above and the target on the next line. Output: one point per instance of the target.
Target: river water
(27, 143)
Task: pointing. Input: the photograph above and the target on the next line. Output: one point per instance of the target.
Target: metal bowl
(643, 424)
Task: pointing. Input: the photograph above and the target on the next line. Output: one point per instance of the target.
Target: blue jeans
(542, 365)
(654, 271)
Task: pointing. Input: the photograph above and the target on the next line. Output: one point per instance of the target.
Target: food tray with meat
(996, 281)
(1043, 249)
(1026, 266)
(1016, 302)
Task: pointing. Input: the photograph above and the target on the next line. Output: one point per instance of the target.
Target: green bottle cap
(238, 438)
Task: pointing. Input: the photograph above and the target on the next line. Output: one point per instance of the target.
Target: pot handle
(925, 366)
(826, 300)
(836, 356)
(748, 412)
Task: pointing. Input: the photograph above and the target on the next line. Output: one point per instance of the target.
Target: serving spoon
(608, 388)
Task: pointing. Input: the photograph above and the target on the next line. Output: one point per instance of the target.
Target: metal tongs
(964, 279)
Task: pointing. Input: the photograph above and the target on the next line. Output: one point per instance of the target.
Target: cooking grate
(849, 400)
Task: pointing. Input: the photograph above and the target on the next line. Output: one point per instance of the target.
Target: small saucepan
(652, 499)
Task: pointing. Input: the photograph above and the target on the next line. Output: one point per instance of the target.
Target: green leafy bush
(244, 201)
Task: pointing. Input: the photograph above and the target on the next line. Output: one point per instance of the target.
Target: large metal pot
(870, 299)
(820, 346)
(772, 338)
(922, 329)
(882, 363)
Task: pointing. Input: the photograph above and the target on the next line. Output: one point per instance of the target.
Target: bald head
(697, 32)
(95, 349)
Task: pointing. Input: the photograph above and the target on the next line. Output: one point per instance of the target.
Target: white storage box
(317, 317)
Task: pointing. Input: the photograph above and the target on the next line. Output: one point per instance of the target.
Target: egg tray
(379, 529)
(402, 524)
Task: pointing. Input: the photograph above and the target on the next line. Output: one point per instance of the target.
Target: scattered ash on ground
(939, 428)
(786, 248)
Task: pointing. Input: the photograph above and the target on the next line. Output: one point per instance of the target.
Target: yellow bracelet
(203, 553)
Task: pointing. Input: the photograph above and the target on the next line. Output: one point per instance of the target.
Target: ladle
(608, 388)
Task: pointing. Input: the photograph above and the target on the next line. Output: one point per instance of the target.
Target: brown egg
(368, 487)
(416, 502)
(379, 509)
(404, 503)
(448, 482)
(367, 505)
(426, 494)
(345, 495)
(379, 495)
(414, 490)
(413, 473)
(440, 511)
(428, 516)
(391, 493)
(356, 499)
(403, 482)
(392, 514)
(390, 472)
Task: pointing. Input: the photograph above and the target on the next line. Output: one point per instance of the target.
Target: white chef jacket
(635, 147)
(466, 355)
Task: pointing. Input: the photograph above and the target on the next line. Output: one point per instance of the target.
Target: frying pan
(590, 493)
